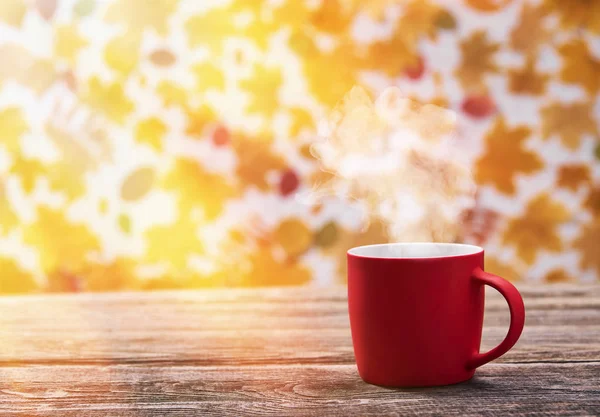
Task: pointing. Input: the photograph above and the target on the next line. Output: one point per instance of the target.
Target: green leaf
(445, 20)
(327, 235)
(84, 8)
(125, 223)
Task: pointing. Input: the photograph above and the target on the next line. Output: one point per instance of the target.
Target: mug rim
(469, 250)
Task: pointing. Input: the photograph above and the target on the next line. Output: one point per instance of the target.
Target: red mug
(416, 312)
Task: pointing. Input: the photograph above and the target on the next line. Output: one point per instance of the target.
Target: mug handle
(517, 316)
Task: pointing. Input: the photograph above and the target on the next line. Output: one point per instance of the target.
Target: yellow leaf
(569, 121)
(557, 276)
(527, 80)
(294, 236)
(525, 40)
(504, 157)
(13, 280)
(66, 178)
(329, 86)
(12, 126)
(579, 66)
(263, 88)
(331, 17)
(70, 250)
(536, 230)
(118, 275)
(123, 52)
(172, 94)
(576, 14)
(151, 131)
(477, 61)
(208, 76)
(259, 29)
(292, 13)
(266, 270)
(588, 247)
(504, 270)
(210, 29)
(573, 176)
(174, 243)
(8, 218)
(198, 188)
(12, 12)
(255, 160)
(140, 14)
(67, 175)
(109, 99)
(301, 119)
(68, 42)
(28, 171)
(198, 119)
(138, 184)
(26, 69)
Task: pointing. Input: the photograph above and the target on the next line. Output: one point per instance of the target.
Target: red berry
(288, 182)
(220, 136)
(416, 70)
(479, 107)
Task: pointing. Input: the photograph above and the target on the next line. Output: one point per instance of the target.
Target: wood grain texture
(311, 390)
(274, 351)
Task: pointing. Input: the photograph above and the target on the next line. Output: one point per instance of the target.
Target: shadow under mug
(416, 312)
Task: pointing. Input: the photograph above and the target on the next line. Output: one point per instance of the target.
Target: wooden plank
(276, 294)
(332, 390)
(280, 346)
(237, 327)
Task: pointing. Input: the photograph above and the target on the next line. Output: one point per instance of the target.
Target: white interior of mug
(415, 250)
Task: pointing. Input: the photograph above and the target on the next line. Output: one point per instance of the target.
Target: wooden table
(273, 352)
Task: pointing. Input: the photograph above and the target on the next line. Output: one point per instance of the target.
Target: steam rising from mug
(399, 159)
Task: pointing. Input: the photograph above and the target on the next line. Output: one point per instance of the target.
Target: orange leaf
(558, 275)
(255, 160)
(536, 230)
(488, 6)
(294, 236)
(504, 270)
(592, 201)
(527, 80)
(576, 14)
(580, 66)
(505, 157)
(522, 37)
(573, 176)
(162, 58)
(477, 61)
(587, 244)
(569, 121)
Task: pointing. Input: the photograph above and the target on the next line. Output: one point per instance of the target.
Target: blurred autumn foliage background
(160, 143)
